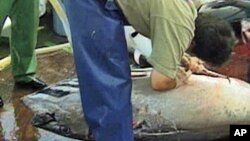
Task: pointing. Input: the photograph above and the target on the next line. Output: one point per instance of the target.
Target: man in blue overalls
(102, 66)
(101, 56)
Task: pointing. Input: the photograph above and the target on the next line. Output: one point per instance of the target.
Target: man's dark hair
(214, 39)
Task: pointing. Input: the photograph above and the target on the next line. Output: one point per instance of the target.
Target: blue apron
(102, 66)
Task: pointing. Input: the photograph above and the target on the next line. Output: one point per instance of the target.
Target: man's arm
(161, 82)
(170, 38)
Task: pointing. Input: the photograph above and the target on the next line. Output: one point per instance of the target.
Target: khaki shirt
(170, 26)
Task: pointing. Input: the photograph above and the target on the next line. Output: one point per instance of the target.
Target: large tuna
(202, 109)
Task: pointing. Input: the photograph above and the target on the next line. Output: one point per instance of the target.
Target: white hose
(5, 62)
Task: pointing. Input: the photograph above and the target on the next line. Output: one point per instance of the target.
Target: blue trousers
(102, 66)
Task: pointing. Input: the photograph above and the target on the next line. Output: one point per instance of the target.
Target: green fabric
(170, 26)
(25, 19)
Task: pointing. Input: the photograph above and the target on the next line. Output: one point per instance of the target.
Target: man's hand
(182, 76)
(196, 66)
(193, 64)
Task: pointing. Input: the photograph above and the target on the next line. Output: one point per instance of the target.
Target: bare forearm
(160, 82)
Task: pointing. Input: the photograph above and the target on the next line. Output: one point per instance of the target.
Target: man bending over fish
(101, 55)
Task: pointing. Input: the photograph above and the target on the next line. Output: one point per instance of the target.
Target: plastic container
(6, 31)
(42, 7)
(57, 24)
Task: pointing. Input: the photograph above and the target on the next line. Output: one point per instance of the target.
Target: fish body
(202, 109)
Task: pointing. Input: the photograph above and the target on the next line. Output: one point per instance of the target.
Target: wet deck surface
(15, 118)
